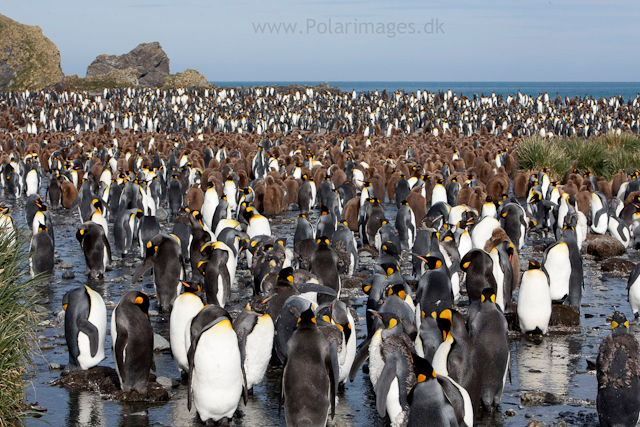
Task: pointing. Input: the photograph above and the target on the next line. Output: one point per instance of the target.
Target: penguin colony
(222, 162)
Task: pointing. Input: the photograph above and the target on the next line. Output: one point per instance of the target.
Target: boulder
(604, 246)
(148, 59)
(618, 265)
(564, 315)
(28, 60)
(188, 78)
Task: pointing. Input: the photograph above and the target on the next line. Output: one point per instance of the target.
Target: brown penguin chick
(378, 186)
(583, 202)
(338, 177)
(520, 184)
(194, 198)
(292, 188)
(570, 188)
(511, 166)
(391, 186)
(69, 193)
(484, 172)
(497, 186)
(498, 236)
(577, 179)
(604, 187)
(318, 176)
(464, 194)
(351, 213)
(273, 197)
(418, 204)
(96, 170)
(244, 179)
(457, 165)
(477, 199)
(617, 181)
(259, 190)
(469, 158)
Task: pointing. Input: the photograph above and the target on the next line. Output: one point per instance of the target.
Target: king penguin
(96, 248)
(534, 300)
(85, 327)
(41, 250)
(308, 381)
(216, 379)
(132, 341)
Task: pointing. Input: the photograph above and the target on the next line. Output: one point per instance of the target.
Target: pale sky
(492, 40)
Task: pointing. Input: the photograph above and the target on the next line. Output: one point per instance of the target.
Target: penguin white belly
(114, 339)
(455, 286)
(396, 414)
(258, 226)
(558, 265)
(97, 317)
(217, 376)
(613, 229)
(634, 296)
(258, 350)
(209, 206)
(222, 300)
(581, 229)
(534, 302)
(231, 192)
(439, 195)
(498, 274)
(376, 364)
(351, 350)
(440, 358)
(185, 307)
(482, 231)
(464, 244)
(32, 182)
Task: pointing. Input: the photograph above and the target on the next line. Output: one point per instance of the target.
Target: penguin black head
(397, 290)
(190, 287)
(80, 234)
(282, 242)
(534, 265)
(488, 295)
(445, 322)
(344, 222)
(139, 299)
(286, 275)
(302, 216)
(619, 324)
(389, 248)
(324, 241)
(404, 203)
(324, 210)
(390, 268)
(432, 262)
(42, 227)
(210, 184)
(307, 317)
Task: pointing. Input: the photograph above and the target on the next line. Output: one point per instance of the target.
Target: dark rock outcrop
(149, 59)
(28, 60)
(604, 246)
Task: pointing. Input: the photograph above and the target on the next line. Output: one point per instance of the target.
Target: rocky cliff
(28, 60)
(149, 59)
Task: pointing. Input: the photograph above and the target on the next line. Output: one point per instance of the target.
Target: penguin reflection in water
(618, 373)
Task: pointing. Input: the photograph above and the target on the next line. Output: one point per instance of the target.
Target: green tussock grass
(17, 322)
(603, 156)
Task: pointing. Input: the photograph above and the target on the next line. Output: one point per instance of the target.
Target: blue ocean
(594, 89)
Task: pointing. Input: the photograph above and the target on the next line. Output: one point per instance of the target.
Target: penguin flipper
(242, 343)
(147, 264)
(361, 357)
(314, 287)
(452, 395)
(387, 376)
(333, 381)
(335, 364)
(90, 330)
(108, 246)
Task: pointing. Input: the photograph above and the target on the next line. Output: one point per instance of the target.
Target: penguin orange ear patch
(493, 298)
(614, 324)
(82, 231)
(421, 378)
(367, 288)
(390, 272)
(466, 265)
(438, 264)
(290, 278)
(392, 323)
(254, 243)
(149, 244)
(326, 318)
(481, 298)
(401, 294)
(138, 300)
